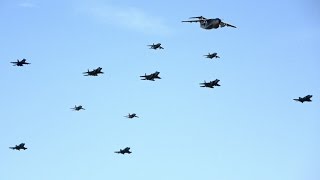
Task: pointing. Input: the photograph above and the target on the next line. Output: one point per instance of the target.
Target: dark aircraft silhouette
(210, 84)
(77, 108)
(152, 76)
(156, 46)
(307, 98)
(20, 63)
(19, 147)
(132, 115)
(123, 151)
(209, 23)
(213, 55)
(94, 72)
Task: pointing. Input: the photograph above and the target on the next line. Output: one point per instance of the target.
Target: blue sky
(249, 128)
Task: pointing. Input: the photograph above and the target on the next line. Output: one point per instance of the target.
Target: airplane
(94, 72)
(212, 23)
(156, 46)
(123, 151)
(210, 84)
(20, 63)
(303, 99)
(77, 108)
(152, 76)
(213, 55)
(19, 147)
(132, 115)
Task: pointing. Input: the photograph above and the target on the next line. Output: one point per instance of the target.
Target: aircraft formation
(205, 23)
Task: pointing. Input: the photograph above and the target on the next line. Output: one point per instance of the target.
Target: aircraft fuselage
(210, 23)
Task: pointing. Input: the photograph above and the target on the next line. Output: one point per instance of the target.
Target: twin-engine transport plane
(307, 98)
(210, 84)
(20, 63)
(156, 46)
(124, 151)
(213, 55)
(19, 147)
(94, 72)
(152, 76)
(209, 23)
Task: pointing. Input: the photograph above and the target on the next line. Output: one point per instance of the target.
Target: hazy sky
(249, 128)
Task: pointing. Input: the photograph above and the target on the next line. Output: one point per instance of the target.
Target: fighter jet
(123, 151)
(94, 72)
(156, 46)
(213, 55)
(132, 115)
(19, 147)
(306, 98)
(20, 63)
(210, 84)
(77, 108)
(209, 23)
(152, 76)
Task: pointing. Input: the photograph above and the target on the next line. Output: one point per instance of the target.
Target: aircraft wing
(15, 63)
(12, 148)
(191, 21)
(146, 76)
(226, 24)
(152, 76)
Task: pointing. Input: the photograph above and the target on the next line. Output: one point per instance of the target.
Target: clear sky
(249, 128)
